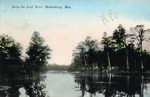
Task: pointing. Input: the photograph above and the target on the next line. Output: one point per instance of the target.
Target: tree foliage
(84, 54)
(10, 56)
(38, 53)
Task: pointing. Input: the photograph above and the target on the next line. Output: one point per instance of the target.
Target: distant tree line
(121, 51)
(13, 64)
(56, 67)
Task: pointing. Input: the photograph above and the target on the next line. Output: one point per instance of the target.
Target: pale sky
(64, 28)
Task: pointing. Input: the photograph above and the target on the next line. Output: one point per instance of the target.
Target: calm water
(64, 84)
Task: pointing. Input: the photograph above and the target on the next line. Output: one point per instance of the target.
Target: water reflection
(64, 84)
(112, 85)
(33, 87)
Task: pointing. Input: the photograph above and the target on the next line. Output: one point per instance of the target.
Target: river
(66, 84)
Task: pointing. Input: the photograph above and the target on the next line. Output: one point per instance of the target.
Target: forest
(122, 51)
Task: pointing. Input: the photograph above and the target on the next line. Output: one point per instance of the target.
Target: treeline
(13, 64)
(57, 67)
(121, 51)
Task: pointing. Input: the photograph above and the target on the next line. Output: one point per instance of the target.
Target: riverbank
(116, 72)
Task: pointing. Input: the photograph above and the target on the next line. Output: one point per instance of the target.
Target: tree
(38, 53)
(84, 54)
(79, 59)
(92, 49)
(106, 41)
(120, 36)
(10, 56)
(140, 35)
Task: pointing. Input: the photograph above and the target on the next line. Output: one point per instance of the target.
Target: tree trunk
(127, 59)
(108, 58)
(84, 62)
(141, 56)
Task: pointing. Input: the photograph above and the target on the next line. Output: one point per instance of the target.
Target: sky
(63, 28)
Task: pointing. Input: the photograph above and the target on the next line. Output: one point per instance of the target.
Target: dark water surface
(64, 84)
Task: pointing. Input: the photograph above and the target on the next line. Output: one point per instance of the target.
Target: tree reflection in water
(111, 85)
(33, 87)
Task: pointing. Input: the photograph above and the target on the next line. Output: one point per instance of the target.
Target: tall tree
(120, 36)
(106, 41)
(85, 52)
(78, 55)
(38, 53)
(92, 49)
(10, 56)
(141, 35)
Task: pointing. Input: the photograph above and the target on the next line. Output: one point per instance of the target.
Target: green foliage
(120, 36)
(38, 53)
(10, 56)
(107, 41)
(84, 53)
